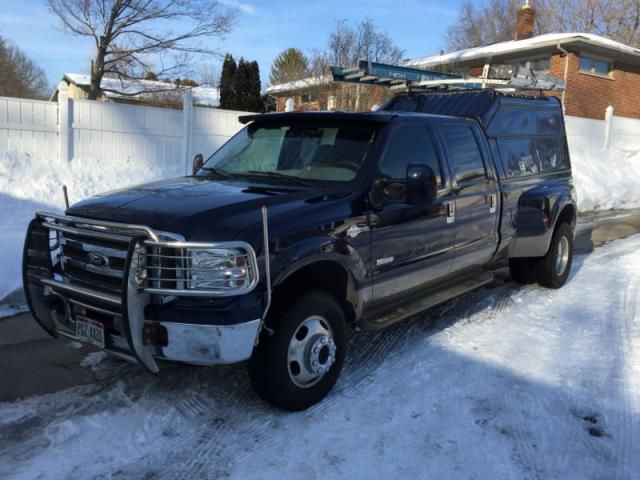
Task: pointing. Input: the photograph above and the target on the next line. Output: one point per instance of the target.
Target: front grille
(107, 274)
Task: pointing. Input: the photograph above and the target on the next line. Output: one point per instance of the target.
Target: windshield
(307, 150)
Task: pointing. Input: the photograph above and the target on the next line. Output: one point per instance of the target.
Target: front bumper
(59, 287)
(210, 344)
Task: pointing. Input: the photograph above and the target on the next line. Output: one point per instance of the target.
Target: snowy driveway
(502, 383)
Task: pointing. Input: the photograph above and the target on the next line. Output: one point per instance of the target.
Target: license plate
(89, 331)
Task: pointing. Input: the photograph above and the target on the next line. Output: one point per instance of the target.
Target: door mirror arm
(198, 162)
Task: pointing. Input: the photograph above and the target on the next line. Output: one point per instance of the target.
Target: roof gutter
(566, 73)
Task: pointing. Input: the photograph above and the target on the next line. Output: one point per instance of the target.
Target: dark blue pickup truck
(305, 224)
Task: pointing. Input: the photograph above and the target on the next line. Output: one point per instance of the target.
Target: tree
(495, 20)
(240, 85)
(19, 75)
(247, 87)
(228, 83)
(131, 35)
(364, 41)
(290, 65)
(347, 45)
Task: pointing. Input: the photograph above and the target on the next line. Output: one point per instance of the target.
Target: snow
(201, 95)
(299, 84)
(606, 179)
(93, 359)
(503, 383)
(29, 184)
(514, 46)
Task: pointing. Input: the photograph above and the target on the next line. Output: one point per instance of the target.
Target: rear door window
(464, 153)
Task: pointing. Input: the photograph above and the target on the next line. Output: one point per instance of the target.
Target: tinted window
(519, 157)
(551, 153)
(409, 144)
(512, 121)
(548, 121)
(464, 153)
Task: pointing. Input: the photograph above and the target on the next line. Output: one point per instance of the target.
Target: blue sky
(263, 29)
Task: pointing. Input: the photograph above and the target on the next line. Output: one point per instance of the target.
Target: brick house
(598, 72)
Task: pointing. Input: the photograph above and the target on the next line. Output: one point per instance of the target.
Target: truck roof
(483, 105)
(373, 117)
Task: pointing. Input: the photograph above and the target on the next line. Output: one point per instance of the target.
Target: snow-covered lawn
(504, 383)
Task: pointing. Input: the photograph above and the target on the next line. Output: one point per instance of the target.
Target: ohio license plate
(89, 331)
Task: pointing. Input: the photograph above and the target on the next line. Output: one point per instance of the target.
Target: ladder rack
(503, 77)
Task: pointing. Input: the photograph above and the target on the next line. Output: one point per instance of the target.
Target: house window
(594, 65)
(306, 98)
(536, 64)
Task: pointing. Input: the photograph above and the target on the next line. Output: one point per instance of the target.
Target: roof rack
(500, 77)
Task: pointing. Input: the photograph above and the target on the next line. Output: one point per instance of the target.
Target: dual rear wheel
(552, 270)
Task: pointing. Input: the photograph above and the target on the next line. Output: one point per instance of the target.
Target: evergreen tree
(248, 87)
(228, 84)
(242, 85)
(254, 99)
(290, 65)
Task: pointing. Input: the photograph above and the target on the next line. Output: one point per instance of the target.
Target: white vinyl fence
(587, 135)
(112, 133)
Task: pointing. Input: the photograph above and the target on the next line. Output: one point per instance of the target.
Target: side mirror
(198, 162)
(422, 185)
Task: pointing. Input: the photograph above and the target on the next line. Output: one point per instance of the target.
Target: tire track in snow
(628, 437)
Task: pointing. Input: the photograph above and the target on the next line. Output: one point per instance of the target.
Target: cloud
(243, 7)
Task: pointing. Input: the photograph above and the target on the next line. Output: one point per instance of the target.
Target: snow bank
(28, 184)
(606, 179)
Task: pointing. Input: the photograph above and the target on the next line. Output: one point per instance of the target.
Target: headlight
(218, 268)
(179, 268)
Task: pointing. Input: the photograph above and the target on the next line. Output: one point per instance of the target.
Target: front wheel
(553, 269)
(300, 362)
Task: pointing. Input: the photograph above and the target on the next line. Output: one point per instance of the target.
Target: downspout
(566, 74)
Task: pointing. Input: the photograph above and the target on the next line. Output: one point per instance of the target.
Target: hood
(199, 208)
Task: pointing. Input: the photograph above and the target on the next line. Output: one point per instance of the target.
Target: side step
(429, 299)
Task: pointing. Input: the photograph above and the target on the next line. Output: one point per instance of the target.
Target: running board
(429, 300)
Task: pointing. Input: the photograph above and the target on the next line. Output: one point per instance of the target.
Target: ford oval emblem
(97, 260)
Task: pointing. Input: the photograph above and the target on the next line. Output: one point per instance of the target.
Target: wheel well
(568, 216)
(327, 276)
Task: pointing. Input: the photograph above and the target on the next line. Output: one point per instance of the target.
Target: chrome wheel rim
(312, 352)
(562, 256)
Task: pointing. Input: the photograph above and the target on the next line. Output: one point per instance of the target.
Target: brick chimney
(525, 18)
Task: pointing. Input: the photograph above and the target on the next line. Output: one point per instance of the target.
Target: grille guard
(47, 294)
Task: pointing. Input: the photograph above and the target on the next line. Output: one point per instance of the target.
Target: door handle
(493, 203)
(451, 212)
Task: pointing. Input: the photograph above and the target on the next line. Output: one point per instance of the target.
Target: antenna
(66, 196)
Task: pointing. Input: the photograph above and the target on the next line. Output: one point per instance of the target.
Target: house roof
(202, 95)
(299, 84)
(539, 43)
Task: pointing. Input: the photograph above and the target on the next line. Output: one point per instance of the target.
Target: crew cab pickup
(305, 224)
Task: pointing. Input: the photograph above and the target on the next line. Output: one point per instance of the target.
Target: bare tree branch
(130, 35)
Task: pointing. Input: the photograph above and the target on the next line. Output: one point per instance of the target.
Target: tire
(281, 365)
(553, 269)
(522, 270)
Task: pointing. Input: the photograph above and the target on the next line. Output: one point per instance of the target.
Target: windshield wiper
(280, 176)
(219, 172)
